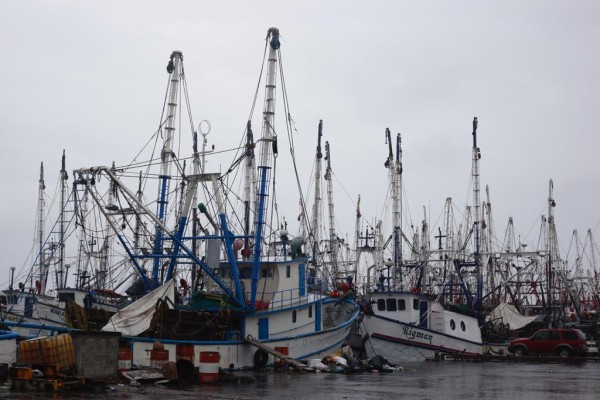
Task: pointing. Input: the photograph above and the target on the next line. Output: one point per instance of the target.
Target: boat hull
(416, 334)
(239, 354)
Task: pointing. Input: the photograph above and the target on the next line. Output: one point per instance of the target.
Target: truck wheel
(519, 351)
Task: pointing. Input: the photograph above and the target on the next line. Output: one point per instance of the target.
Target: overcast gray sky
(89, 77)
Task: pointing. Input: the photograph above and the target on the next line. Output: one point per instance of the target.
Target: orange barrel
(125, 358)
(283, 350)
(208, 369)
(185, 352)
(158, 355)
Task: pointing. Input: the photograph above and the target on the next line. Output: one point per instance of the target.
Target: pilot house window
(401, 305)
(391, 304)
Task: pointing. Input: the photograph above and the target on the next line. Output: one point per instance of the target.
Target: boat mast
(138, 220)
(174, 70)
(268, 144)
(395, 178)
(552, 251)
(488, 230)
(357, 240)
(315, 228)
(104, 251)
(62, 279)
(195, 231)
(249, 187)
(43, 268)
(477, 217)
(594, 266)
(333, 243)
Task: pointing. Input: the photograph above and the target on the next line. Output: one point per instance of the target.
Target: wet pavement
(426, 380)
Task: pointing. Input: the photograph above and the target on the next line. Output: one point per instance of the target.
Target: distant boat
(29, 309)
(408, 324)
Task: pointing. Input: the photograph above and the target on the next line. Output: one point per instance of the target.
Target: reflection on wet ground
(428, 380)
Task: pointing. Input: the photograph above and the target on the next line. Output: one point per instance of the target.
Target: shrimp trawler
(408, 318)
(43, 302)
(228, 288)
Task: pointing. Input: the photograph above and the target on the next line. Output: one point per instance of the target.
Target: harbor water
(425, 380)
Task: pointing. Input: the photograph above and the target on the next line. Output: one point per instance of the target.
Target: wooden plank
(277, 354)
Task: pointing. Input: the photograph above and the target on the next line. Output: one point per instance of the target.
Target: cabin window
(381, 305)
(415, 304)
(462, 326)
(288, 271)
(66, 297)
(309, 311)
(294, 316)
(266, 273)
(452, 324)
(391, 304)
(401, 305)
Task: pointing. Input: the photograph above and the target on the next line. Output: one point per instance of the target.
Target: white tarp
(511, 316)
(136, 317)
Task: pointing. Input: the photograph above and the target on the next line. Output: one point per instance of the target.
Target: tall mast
(578, 263)
(357, 239)
(449, 227)
(195, 230)
(552, 252)
(138, 220)
(593, 263)
(174, 70)
(249, 185)
(61, 243)
(476, 194)
(425, 245)
(488, 229)
(315, 228)
(268, 143)
(333, 245)
(397, 209)
(43, 268)
(477, 216)
(105, 249)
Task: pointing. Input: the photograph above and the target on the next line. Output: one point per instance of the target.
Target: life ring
(261, 358)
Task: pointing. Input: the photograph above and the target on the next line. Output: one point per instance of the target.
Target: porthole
(452, 324)
(462, 326)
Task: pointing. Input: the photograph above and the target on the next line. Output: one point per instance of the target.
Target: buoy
(158, 355)
(208, 369)
(125, 357)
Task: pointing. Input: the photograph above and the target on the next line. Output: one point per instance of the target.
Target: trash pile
(344, 361)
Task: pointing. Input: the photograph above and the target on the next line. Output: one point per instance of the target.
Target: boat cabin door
(263, 328)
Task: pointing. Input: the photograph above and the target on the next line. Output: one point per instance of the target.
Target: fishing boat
(234, 291)
(413, 308)
(29, 308)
